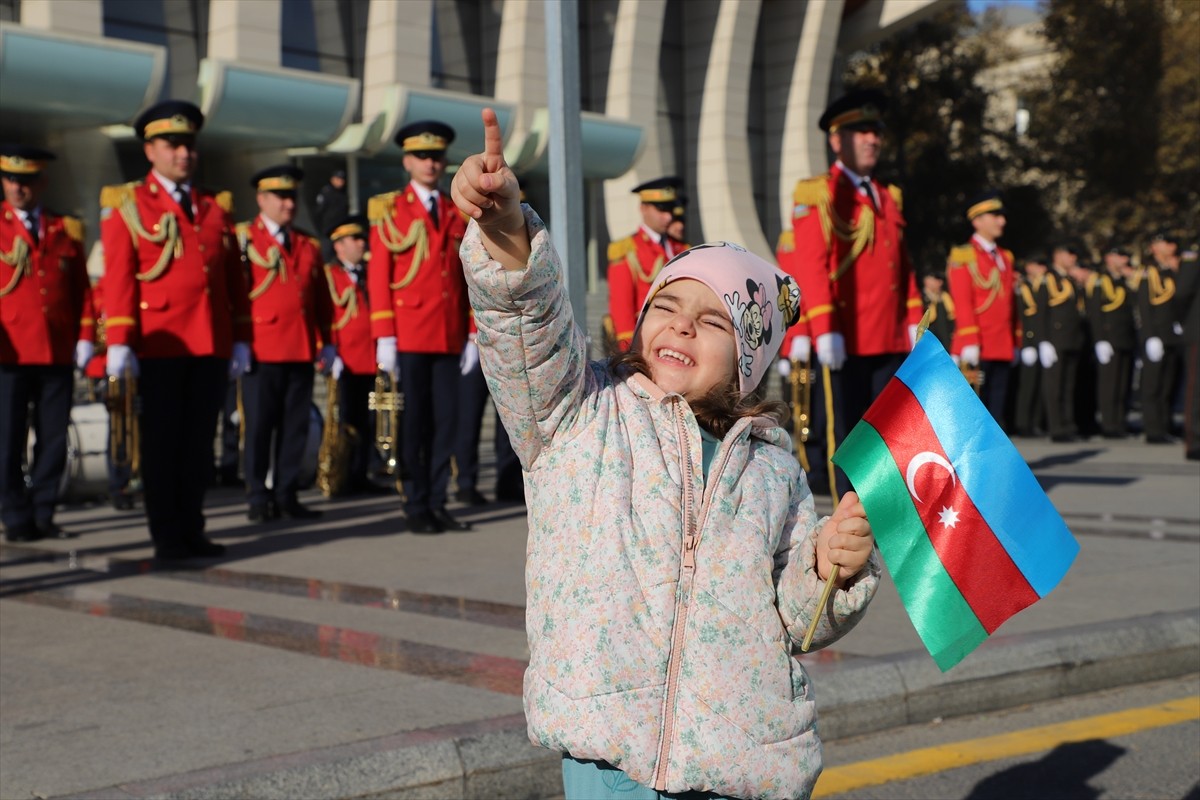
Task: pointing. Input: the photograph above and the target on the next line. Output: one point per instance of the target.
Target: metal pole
(566, 172)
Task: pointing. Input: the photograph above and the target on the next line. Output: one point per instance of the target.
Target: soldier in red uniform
(419, 317)
(176, 312)
(857, 285)
(290, 308)
(350, 332)
(988, 329)
(634, 262)
(46, 325)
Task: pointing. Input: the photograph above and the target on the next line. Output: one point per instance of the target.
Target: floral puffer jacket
(661, 612)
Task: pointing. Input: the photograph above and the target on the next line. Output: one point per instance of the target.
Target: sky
(978, 6)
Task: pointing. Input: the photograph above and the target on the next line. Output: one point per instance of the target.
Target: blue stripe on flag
(993, 472)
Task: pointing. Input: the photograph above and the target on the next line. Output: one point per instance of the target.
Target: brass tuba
(801, 382)
(337, 445)
(387, 402)
(124, 429)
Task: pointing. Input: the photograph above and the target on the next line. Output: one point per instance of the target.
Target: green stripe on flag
(943, 619)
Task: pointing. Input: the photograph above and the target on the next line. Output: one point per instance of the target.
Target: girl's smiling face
(687, 339)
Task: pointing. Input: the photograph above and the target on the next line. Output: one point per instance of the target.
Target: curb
(494, 759)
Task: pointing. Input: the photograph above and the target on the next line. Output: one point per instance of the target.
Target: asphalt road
(1139, 741)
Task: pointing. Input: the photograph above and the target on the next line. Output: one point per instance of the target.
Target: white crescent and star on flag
(948, 516)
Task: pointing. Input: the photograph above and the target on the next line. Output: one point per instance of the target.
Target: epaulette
(786, 243)
(961, 255)
(74, 227)
(380, 206)
(811, 191)
(115, 195)
(897, 195)
(242, 231)
(620, 248)
(315, 241)
(225, 201)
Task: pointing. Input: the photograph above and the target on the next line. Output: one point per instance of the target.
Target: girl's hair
(718, 410)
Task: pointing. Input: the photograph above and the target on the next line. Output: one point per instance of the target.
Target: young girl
(674, 556)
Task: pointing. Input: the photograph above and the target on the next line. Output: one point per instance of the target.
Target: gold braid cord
(1114, 294)
(1059, 289)
(965, 255)
(272, 263)
(635, 267)
(1161, 291)
(348, 300)
(167, 236)
(417, 240)
(814, 192)
(18, 259)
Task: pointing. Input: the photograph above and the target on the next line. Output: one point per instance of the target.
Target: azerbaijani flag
(967, 533)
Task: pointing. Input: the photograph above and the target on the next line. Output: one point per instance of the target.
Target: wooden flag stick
(922, 326)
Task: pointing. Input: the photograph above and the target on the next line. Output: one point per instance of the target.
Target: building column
(633, 95)
(803, 146)
(723, 180)
(399, 50)
(521, 69)
(247, 32)
(81, 17)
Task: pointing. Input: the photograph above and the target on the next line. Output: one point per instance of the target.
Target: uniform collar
(423, 194)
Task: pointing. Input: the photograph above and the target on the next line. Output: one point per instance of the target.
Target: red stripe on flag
(975, 559)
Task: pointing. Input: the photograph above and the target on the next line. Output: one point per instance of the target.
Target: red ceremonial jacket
(45, 296)
(633, 264)
(415, 280)
(984, 302)
(854, 272)
(350, 328)
(289, 303)
(172, 287)
(785, 254)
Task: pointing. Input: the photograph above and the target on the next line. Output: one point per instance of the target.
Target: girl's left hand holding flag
(845, 541)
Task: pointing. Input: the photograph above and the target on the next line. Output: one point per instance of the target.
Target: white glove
(801, 349)
(336, 369)
(1154, 349)
(1177, 328)
(956, 359)
(912, 336)
(119, 361)
(84, 350)
(469, 359)
(239, 361)
(970, 354)
(1029, 356)
(784, 367)
(1047, 354)
(328, 356)
(831, 350)
(385, 353)
(1104, 352)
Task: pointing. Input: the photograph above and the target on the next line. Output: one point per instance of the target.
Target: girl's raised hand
(485, 189)
(845, 540)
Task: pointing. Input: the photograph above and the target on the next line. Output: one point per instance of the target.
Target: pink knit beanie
(761, 299)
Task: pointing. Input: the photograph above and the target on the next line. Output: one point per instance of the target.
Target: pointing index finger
(492, 144)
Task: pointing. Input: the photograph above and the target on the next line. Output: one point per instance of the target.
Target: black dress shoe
(423, 524)
(22, 533)
(470, 497)
(297, 510)
(1161, 440)
(449, 523)
(52, 531)
(202, 547)
(259, 513)
(1064, 437)
(122, 501)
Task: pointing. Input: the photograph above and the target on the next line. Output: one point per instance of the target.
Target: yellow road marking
(929, 760)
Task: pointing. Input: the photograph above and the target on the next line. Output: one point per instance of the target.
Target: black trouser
(472, 400)
(1158, 382)
(1058, 389)
(1112, 389)
(277, 398)
(181, 398)
(353, 397)
(1030, 408)
(855, 386)
(430, 385)
(1191, 400)
(49, 388)
(231, 431)
(994, 391)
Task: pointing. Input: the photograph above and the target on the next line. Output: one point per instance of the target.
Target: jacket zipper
(685, 586)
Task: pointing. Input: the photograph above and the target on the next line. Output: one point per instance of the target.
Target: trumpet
(387, 402)
(974, 376)
(801, 383)
(337, 445)
(124, 430)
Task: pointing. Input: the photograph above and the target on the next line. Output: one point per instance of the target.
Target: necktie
(866, 187)
(285, 241)
(31, 225)
(184, 198)
(999, 261)
(433, 209)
